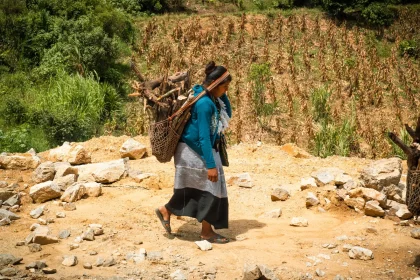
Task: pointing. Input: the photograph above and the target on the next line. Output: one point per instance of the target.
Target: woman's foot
(208, 234)
(164, 216)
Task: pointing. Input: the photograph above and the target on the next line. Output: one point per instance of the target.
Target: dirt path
(126, 212)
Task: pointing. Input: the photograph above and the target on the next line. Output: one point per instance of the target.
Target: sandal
(165, 224)
(217, 238)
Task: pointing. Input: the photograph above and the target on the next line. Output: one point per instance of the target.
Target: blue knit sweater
(200, 132)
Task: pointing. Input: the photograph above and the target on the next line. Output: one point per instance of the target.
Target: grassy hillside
(299, 76)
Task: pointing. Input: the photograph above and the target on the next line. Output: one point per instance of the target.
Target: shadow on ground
(190, 231)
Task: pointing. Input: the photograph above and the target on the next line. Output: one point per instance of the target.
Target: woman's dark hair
(214, 72)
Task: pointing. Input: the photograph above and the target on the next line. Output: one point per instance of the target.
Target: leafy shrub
(410, 48)
(22, 138)
(378, 14)
(333, 139)
(320, 107)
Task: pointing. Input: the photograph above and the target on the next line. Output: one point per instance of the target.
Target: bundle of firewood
(164, 95)
(412, 151)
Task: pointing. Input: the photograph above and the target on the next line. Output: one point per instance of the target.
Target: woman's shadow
(190, 230)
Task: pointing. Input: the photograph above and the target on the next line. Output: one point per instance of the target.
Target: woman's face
(220, 89)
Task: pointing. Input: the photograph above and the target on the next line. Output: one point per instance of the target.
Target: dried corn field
(280, 63)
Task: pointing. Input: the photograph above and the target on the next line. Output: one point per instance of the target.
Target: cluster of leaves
(332, 137)
(138, 7)
(61, 72)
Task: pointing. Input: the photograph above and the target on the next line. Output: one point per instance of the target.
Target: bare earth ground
(126, 211)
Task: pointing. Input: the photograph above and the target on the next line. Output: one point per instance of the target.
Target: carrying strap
(191, 101)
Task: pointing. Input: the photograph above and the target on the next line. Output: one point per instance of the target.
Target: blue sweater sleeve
(204, 114)
(225, 100)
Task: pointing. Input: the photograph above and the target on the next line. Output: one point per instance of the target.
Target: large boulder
(74, 154)
(44, 191)
(104, 172)
(132, 149)
(78, 155)
(44, 172)
(382, 173)
(19, 161)
(63, 169)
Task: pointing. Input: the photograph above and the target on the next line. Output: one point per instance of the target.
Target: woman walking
(200, 187)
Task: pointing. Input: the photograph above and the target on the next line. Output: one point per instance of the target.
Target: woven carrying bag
(164, 135)
(413, 192)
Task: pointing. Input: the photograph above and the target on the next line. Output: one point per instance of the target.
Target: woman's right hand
(212, 174)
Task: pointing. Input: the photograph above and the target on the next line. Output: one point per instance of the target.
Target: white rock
(242, 180)
(251, 272)
(373, 209)
(7, 214)
(66, 181)
(382, 173)
(415, 233)
(19, 161)
(403, 212)
(178, 275)
(204, 245)
(319, 272)
(5, 221)
(64, 169)
(44, 191)
(93, 189)
(279, 194)
(311, 199)
(275, 213)
(44, 172)
(78, 155)
(360, 253)
(369, 194)
(347, 247)
(37, 212)
(74, 193)
(104, 172)
(326, 176)
(306, 183)
(59, 153)
(69, 261)
(299, 222)
(357, 202)
(132, 149)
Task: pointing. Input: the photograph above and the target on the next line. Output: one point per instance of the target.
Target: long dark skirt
(194, 195)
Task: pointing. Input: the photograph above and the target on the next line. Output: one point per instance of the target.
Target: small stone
(332, 246)
(280, 194)
(69, 261)
(98, 231)
(12, 201)
(138, 242)
(50, 220)
(42, 221)
(339, 277)
(20, 243)
(60, 215)
(204, 245)
(8, 272)
(319, 272)
(48, 270)
(372, 230)
(373, 209)
(69, 206)
(342, 238)
(5, 221)
(360, 253)
(403, 213)
(251, 272)
(87, 266)
(78, 239)
(88, 235)
(74, 246)
(306, 183)
(93, 253)
(178, 275)
(154, 256)
(311, 200)
(109, 262)
(299, 222)
(65, 233)
(36, 213)
(415, 233)
(347, 247)
(34, 226)
(275, 213)
(34, 247)
(335, 252)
